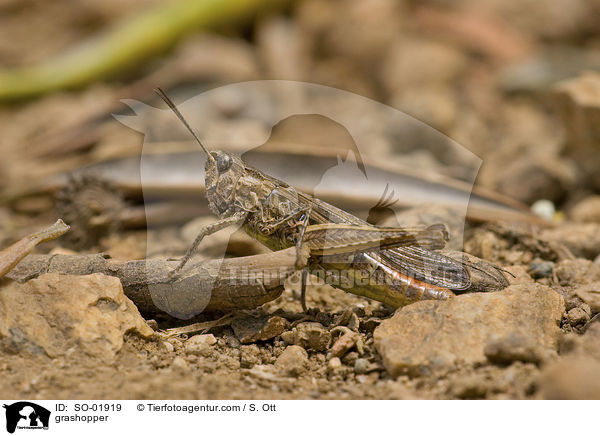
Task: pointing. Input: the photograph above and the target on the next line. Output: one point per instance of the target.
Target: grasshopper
(394, 265)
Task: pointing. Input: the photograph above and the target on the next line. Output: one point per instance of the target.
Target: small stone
(308, 335)
(361, 366)
(289, 336)
(343, 344)
(232, 340)
(484, 244)
(293, 361)
(544, 209)
(334, 365)
(252, 329)
(323, 318)
(513, 347)
(179, 362)
(587, 210)
(200, 345)
(249, 356)
(167, 346)
(573, 272)
(577, 316)
(360, 309)
(353, 322)
(370, 324)
(152, 324)
(343, 318)
(176, 342)
(583, 240)
(350, 358)
(590, 294)
(541, 269)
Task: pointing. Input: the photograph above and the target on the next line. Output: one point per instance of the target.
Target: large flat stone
(430, 335)
(57, 314)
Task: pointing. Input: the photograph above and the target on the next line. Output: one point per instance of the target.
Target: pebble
(361, 366)
(334, 365)
(573, 272)
(252, 329)
(179, 362)
(293, 361)
(350, 358)
(343, 318)
(200, 345)
(308, 335)
(544, 209)
(167, 346)
(587, 210)
(154, 361)
(590, 294)
(370, 324)
(231, 339)
(582, 239)
(541, 269)
(249, 356)
(577, 316)
(343, 344)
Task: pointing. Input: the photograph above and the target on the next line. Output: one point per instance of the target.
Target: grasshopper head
(222, 174)
(223, 170)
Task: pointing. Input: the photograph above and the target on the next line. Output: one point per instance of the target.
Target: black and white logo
(26, 415)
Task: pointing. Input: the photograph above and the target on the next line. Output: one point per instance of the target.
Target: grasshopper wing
(428, 266)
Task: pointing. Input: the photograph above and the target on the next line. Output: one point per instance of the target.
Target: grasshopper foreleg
(236, 218)
(271, 227)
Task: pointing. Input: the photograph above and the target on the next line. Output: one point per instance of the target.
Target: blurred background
(514, 82)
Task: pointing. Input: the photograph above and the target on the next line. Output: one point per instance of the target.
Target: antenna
(170, 103)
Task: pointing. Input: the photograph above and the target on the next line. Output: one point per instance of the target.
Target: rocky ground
(79, 337)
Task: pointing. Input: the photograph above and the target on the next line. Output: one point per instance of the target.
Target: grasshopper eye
(223, 163)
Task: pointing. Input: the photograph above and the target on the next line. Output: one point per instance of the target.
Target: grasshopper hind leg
(301, 253)
(303, 290)
(302, 259)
